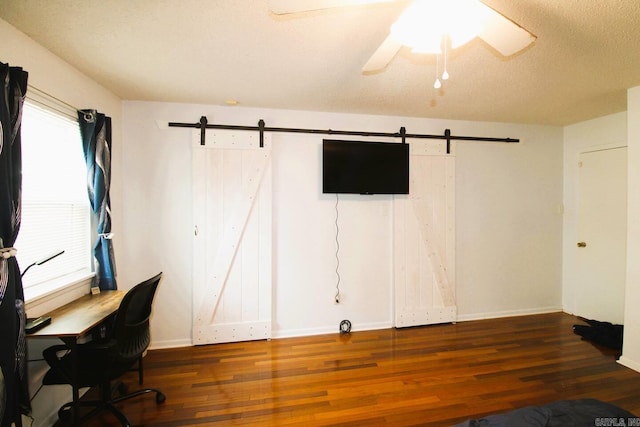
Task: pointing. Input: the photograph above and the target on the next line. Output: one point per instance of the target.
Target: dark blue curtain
(14, 391)
(95, 129)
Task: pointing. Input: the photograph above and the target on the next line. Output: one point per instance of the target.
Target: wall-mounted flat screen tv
(358, 167)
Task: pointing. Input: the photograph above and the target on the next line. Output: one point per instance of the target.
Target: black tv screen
(365, 167)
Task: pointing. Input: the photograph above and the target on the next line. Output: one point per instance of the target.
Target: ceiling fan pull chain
(445, 73)
(437, 84)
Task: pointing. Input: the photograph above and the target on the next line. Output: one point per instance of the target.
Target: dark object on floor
(102, 361)
(602, 333)
(563, 413)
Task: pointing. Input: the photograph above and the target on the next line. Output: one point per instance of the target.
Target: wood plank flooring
(434, 375)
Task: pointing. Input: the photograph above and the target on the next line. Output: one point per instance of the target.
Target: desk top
(81, 315)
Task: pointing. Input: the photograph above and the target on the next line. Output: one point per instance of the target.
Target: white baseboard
(157, 345)
(508, 313)
(631, 364)
(322, 330)
(291, 333)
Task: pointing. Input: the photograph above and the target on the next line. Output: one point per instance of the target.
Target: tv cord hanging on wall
(337, 297)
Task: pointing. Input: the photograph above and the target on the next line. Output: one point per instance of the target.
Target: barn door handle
(582, 244)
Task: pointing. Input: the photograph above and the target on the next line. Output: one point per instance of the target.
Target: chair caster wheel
(160, 397)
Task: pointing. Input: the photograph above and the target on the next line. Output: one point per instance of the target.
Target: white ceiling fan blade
(283, 7)
(382, 56)
(503, 34)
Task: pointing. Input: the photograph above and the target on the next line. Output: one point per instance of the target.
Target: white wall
(601, 132)
(631, 350)
(508, 225)
(55, 77)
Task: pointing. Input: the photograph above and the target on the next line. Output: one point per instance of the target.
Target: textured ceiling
(209, 51)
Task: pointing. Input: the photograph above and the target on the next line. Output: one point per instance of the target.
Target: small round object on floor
(345, 327)
(160, 398)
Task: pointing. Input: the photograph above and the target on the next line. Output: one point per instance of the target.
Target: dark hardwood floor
(433, 375)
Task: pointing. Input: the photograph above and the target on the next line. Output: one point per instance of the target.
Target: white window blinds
(55, 207)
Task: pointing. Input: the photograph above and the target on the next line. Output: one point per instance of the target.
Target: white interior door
(424, 239)
(602, 234)
(232, 237)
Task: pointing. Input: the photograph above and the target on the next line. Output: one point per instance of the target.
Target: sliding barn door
(232, 238)
(424, 239)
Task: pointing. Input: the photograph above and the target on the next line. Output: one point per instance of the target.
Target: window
(55, 207)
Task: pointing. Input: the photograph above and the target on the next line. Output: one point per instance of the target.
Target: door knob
(582, 244)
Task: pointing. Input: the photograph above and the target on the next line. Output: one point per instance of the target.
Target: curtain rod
(203, 124)
(31, 89)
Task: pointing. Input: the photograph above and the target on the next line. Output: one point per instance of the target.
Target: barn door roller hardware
(203, 125)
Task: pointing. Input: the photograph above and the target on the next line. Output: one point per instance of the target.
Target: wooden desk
(76, 319)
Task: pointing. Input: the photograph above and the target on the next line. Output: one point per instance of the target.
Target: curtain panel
(95, 129)
(14, 391)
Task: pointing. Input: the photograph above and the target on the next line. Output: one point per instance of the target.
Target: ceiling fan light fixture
(428, 45)
(425, 23)
(429, 26)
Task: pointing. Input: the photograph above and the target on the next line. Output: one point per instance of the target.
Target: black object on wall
(203, 125)
(354, 167)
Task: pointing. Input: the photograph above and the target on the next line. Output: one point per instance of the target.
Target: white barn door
(232, 237)
(424, 239)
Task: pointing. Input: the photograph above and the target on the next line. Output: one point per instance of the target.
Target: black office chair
(105, 360)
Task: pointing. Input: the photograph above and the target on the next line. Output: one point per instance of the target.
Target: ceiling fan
(429, 26)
